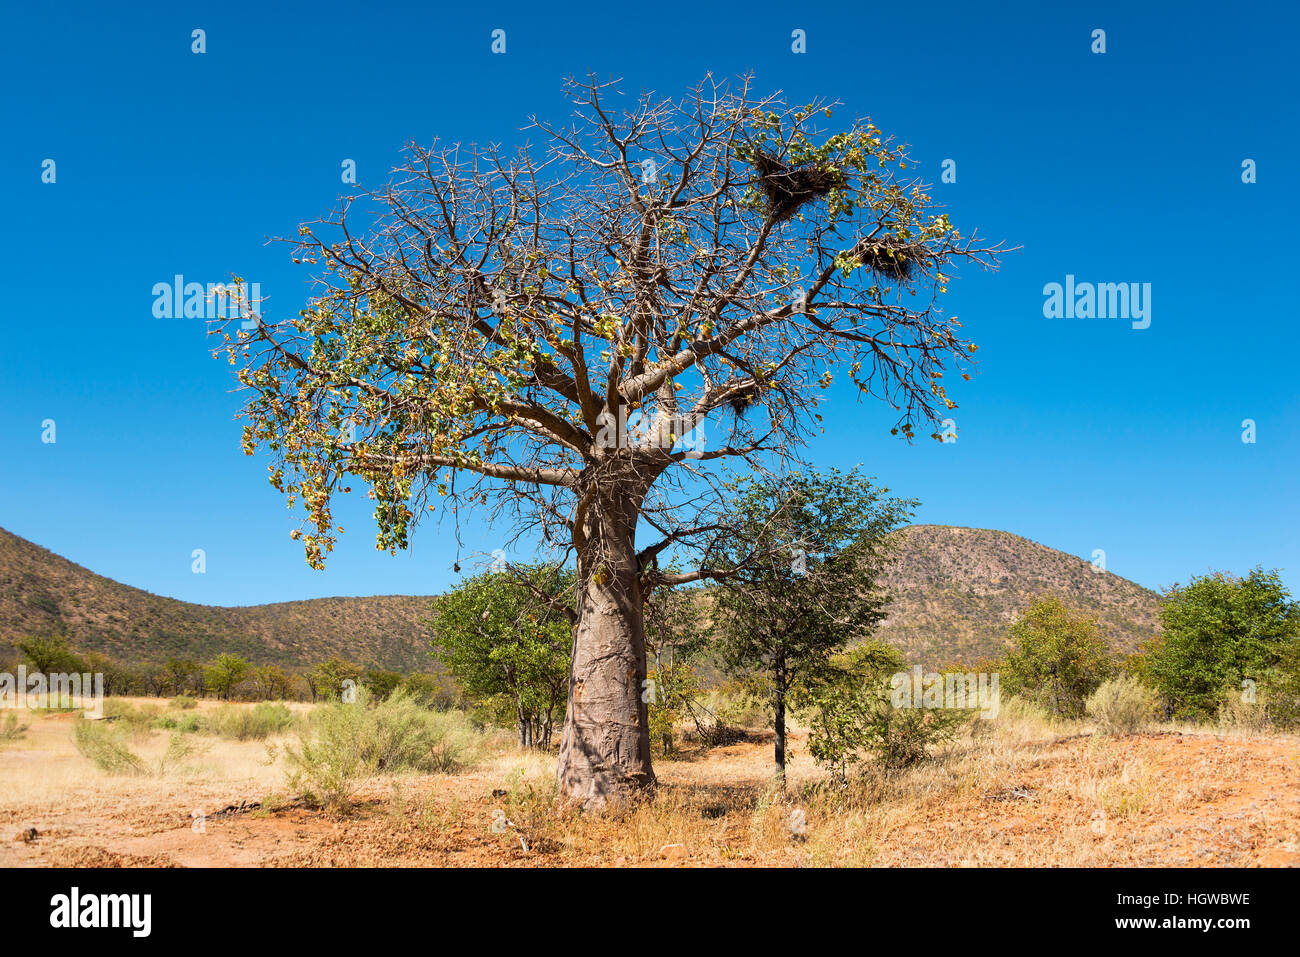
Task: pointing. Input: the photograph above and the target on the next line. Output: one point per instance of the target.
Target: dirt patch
(1150, 800)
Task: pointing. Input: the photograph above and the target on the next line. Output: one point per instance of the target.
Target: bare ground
(1012, 796)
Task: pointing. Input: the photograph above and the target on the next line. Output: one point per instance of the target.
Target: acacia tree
(583, 340)
(803, 558)
(224, 673)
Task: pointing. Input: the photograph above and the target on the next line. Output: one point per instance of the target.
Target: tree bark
(605, 747)
(778, 724)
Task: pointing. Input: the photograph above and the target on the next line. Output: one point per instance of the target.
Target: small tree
(185, 674)
(1216, 632)
(331, 677)
(224, 673)
(381, 683)
(272, 683)
(852, 715)
(798, 569)
(499, 640)
(1057, 657)
(117, 679)
(675, 640)
(311, 681)
(153, 679)
(49, 654)
(432, 691)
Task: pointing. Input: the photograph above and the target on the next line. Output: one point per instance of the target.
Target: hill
(42, 593)
(955, 591)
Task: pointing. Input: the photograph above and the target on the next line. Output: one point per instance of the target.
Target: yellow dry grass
(1019, 790)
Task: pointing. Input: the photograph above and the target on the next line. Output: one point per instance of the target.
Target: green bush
(1123, 706)
(847, 727)
(250, 724)
(346, 743)
(11, 730)
(134, 721)
(184, 723)
(106, 746)
(1219, 631)
(852, 716)
(1057, 659)
(508, 651)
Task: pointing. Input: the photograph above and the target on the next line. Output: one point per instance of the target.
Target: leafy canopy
(1216, 632)
(499, 640)
(798, 570)
(1057, 658)
(534, 332)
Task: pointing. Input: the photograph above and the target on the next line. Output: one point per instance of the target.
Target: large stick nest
(788, 188)
(891, 258)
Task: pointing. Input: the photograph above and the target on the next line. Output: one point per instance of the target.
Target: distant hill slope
(42, 593)
(955, 591)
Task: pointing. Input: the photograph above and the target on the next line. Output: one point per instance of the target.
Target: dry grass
(1019, 790)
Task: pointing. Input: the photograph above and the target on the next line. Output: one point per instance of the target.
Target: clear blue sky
(1078, 433)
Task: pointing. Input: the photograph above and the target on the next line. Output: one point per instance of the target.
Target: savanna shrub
(346, 743)
(250, 724)
(1218, 631)
(1057, 659)
(1123, 706)
(106, 746)
(853, 717)
(10, 729)
(857, 723)
(1281, 688)
(135, 721)
(184, 723)
(1237, 715)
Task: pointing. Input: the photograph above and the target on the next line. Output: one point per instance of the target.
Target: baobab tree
(585, 341)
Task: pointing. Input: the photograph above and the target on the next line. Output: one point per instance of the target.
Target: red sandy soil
(1202, 800)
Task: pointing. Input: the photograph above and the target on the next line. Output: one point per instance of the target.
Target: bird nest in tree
(891, 257)
(789, 188)
(743, 400)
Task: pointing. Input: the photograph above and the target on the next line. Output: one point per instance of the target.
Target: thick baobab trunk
(605, 748)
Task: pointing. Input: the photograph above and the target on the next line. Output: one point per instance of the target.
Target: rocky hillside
(955, 591)
(42, 593)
